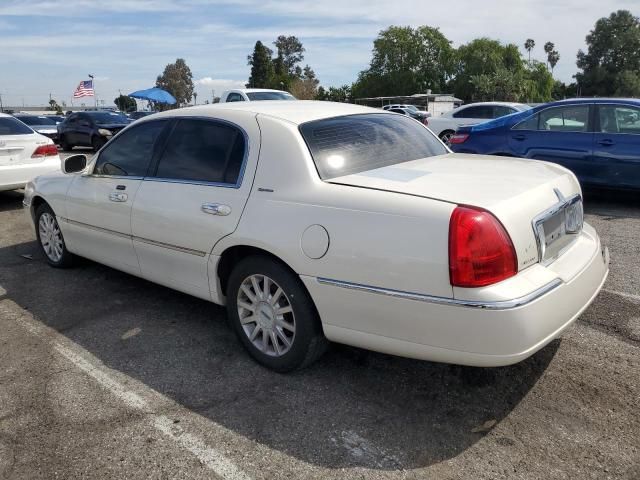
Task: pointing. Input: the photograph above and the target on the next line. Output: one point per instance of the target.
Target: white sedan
(316, 221)
(446, 125)
(24, 154)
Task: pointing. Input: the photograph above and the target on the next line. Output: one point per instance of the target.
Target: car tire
(50, 238)
(97, 143)
(446, 136)
(64, 144)
(285, 315)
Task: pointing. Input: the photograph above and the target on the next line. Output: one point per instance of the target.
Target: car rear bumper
(13, 177)
(494, 331)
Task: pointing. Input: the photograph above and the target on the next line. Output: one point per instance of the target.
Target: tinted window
(129, 154)
(235, 97)
(33, 120)
(11, 126)
(203, 150)
(501, 111)
(573, 118)
(357, 143)
(256, 96)
(105, 118)
(480, 111)
(619, 119)
(397, 110)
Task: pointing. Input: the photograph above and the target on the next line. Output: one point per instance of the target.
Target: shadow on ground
(411, 413)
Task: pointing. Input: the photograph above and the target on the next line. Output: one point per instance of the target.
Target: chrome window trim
(539, 219)
(148, 241)
(485, 305)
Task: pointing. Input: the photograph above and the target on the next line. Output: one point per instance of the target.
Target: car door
(193, 198)
(84, 130)
(616, 146)
(98, 206)
(69, 129)
(559, 134)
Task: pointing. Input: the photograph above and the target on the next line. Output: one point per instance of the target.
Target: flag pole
(95, 96)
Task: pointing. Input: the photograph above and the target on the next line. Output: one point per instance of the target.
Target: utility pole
(1, 110)
(213, 96)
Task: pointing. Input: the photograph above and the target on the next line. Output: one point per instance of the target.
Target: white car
(254, 95)
(446, 125)
(316, 221)
(24, 154)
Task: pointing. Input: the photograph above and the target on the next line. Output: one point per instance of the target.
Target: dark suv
(90, 129)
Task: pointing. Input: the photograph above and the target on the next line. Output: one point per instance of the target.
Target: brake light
(45, 151)
(480, 250)
(458, 138)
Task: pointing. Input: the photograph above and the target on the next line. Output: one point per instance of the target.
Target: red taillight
(45, 151)
(480, 250)
(425, 120)
(458, 138)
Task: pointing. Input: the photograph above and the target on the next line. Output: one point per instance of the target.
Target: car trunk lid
(17, 149)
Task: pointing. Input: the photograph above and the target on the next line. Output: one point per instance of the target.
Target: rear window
(258, 96)
(11, 126)
(33, 120)
(357, 143)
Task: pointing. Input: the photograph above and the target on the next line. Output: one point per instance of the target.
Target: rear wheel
(50, 238)
(273, 315)
(64, 144)
(446, 136)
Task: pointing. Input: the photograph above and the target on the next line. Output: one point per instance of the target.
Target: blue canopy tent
(154, 95)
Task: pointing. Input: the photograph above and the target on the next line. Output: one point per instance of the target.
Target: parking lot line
(213, 459)
(630, 296)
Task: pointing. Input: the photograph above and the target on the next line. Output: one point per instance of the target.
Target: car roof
(295, 112)
(633, 101)
(251, 90)
(507, 104)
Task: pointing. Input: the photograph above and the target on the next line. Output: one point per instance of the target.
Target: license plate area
(556, 228)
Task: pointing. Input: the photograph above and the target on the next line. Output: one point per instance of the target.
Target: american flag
(85, 89)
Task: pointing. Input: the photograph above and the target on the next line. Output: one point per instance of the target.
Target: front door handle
(519, 137)
(607, 142)
(216, 209)
(118, 197)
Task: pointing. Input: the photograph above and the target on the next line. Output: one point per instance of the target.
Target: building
(434, 103)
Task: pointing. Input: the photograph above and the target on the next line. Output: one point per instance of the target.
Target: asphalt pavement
(105, 375)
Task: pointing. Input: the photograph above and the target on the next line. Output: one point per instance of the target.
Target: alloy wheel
(50, 237)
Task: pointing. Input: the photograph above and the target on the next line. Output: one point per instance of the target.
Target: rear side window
(235, 97)
(357, 143)
(480, 111)
(11, 126)
(130, 153)
(502, 110)
(203, 151)
(570, 118)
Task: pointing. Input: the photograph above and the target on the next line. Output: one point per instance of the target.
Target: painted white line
(630, 296)
(213, 459)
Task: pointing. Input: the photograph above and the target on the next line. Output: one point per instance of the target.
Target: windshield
(33, 120)
(11, 126)
(256, 96)
(105, 118)
(413, 108)
(358, 143)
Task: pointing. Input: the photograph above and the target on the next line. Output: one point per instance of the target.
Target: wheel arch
(36, 201)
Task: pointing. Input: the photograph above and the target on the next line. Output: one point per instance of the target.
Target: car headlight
(105, 132)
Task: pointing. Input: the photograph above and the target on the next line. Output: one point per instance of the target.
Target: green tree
(177, 80)
(627, 84)
(548, 48)
(335, 94)
(261, 66)
(53, 106)
(529, 45)
(125, 103)
(613, 49)
(406, 61)
(553, 58)
(290, 53)
(306, 87)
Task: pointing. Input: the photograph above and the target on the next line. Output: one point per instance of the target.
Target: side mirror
(74, 164)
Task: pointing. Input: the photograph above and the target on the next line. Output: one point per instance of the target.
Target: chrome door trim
(487, 305)
(148, 241)
(216, 209)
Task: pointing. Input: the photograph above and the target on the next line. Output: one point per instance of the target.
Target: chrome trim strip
(138, 239)
(489, 305)
(539, 219)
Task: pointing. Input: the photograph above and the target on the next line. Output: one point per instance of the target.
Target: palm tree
(528, 46)
(548, 48)
(553, 59)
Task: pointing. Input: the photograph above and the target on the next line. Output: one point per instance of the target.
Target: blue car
(598, 139)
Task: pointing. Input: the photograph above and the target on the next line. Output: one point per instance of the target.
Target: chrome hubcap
(266, 315)
(50, 237)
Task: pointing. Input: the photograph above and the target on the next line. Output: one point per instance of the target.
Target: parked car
(42, 124)
(597, 139)
(446, 125)
(56, 118)
(254, 95)
(422, 117)
(90, 129)
(138, 115)
(319, 220)
(24, 153)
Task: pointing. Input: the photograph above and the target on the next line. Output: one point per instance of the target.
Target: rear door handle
(606, 142)
(216, 209)
(519, 137)
(118, 197)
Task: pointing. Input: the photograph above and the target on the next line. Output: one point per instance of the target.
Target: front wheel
(273, 315)
(64, 144)
(50, 238)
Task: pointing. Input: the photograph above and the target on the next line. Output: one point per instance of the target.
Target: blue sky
(48, 46)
